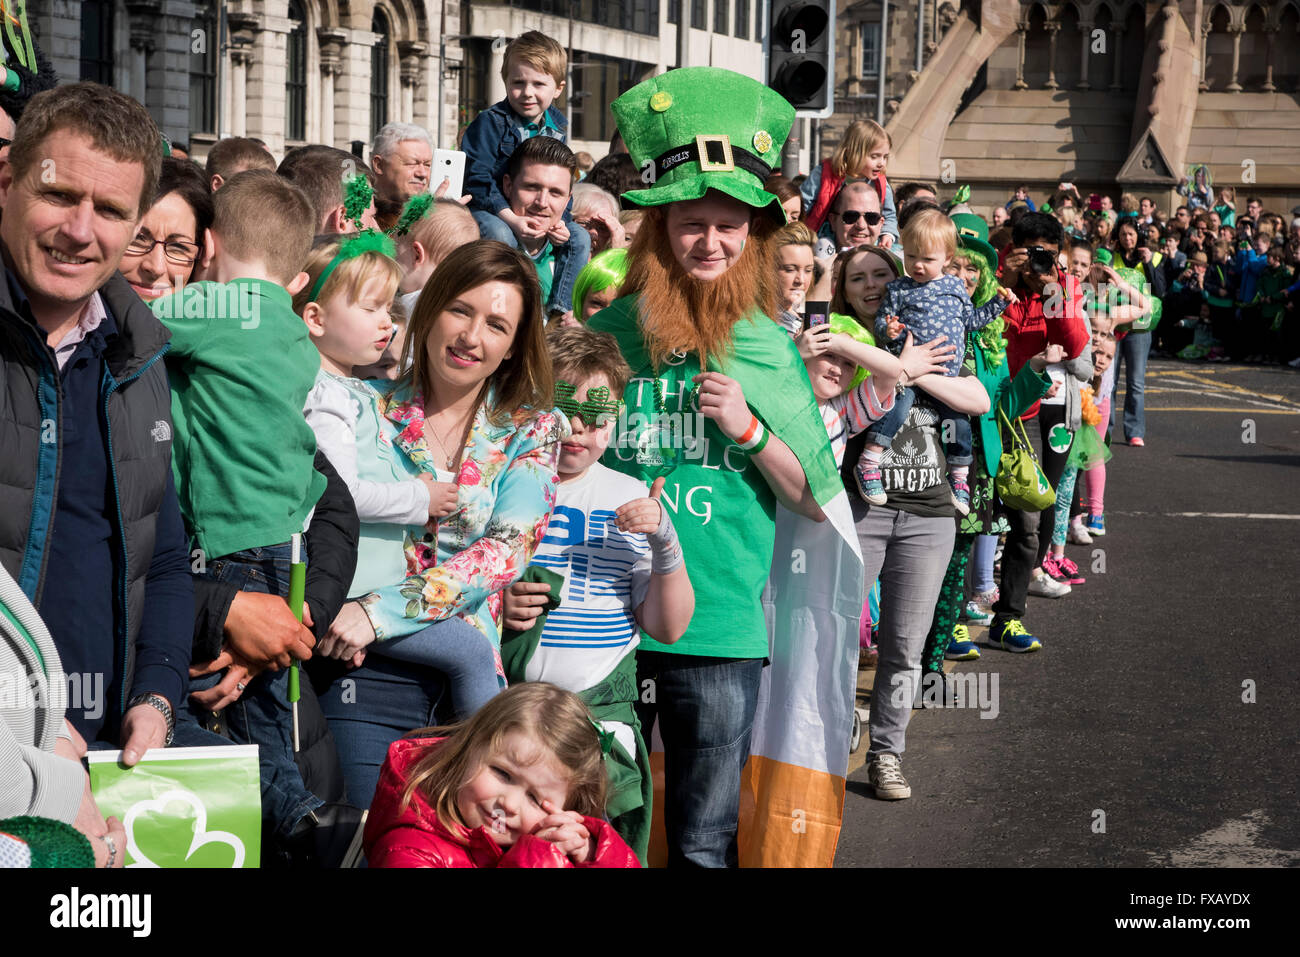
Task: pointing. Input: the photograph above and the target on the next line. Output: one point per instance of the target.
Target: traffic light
(800, 51)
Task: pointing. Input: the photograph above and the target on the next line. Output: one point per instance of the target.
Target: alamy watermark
(79, 691)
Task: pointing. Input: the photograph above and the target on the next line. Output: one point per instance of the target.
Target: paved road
(1134, 706)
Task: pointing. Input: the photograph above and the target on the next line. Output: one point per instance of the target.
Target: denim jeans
(957, 436)
(569, 258)
(1133, 350)
(705, 708)
(909, 554)
(371, 707)
(457, 649)
(263, 714)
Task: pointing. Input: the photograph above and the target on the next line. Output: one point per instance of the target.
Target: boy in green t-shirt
(241, 363)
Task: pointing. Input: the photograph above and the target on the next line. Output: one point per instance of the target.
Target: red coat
(1029, 330)
(416, 838)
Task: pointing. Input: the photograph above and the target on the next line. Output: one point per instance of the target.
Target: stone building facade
(1113, 95)
(333, 71)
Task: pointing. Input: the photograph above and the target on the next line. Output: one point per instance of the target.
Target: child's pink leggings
(1095, 477)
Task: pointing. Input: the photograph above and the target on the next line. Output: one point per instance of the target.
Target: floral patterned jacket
(507, 492)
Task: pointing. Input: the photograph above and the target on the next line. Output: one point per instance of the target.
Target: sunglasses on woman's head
(850, 216)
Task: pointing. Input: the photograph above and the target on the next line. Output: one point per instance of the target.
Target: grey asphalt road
(1132, 717)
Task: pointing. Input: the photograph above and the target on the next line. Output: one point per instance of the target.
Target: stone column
(1205, 41)
(1085, 30)
(141, 47)
(1116, 77)
(411, 54)
(1236, 29)
(331, 44)
(497, 86)
(1052, 30)
(240, 61)
(1271, 33)
(1021, 30)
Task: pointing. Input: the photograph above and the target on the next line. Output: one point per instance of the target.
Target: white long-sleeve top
(334, 407)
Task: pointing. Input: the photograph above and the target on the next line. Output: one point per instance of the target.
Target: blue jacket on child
(488, 143)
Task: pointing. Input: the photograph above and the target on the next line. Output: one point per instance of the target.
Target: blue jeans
(909, 554)
(1133, 351)
(371, 707)
(263, 714)
(457, 649)
(705, 708)
(986, 548)
(957, 440)
(569, 258)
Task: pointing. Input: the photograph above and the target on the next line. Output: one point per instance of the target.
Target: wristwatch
(155, 700)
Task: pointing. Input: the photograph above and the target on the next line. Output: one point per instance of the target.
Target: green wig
(989, 339)
(604, 270)
(851, 327)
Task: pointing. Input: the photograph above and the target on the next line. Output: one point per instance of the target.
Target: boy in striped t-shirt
(613, 545)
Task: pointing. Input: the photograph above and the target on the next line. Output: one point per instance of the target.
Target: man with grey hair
(402, 158)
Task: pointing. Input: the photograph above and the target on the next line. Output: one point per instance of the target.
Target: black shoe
(327, 837)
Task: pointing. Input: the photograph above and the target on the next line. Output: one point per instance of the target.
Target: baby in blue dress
(929, 304)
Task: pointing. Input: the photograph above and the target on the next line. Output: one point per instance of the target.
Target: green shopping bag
(184, 807)
(1020, 483)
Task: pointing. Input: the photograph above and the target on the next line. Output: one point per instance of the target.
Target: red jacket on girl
(416, 838)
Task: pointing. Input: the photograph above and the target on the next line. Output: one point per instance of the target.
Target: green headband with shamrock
(367, 241)
(416, 208)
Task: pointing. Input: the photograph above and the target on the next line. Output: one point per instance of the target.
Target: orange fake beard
(682, 314)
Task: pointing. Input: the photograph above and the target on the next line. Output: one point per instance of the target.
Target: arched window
(379, 73)
(295, 77)
(205, 48)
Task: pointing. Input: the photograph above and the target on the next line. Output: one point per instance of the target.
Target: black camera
(1041, 261)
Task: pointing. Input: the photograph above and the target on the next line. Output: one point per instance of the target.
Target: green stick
(297, 589)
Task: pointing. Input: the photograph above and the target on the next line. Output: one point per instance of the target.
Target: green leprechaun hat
(973, 234)
(700, 128)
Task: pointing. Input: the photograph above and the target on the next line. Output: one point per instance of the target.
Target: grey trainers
(886, 776)
(1046, 587)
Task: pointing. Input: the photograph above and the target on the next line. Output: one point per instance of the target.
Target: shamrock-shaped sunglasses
(597, 410)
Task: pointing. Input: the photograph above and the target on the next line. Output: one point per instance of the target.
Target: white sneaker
(1078, 535)
(1046, 587)
(886, 776)
(1295, 363)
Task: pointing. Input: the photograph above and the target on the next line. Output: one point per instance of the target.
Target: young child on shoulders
(346, 310)
(533, 69)
(614, 547)
(928, 303)
(521, 784)
(863, 153)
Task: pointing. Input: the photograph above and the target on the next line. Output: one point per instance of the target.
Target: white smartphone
(448, 165)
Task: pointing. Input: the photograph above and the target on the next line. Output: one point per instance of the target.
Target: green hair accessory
(962, 195)
(367, 241)
(416, 208)
(357, 195)
(851, 327)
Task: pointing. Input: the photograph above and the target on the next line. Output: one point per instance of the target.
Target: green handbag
(1020, 483)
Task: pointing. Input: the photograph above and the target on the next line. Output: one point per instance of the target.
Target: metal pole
(568, 83)
(684, 31)
(221, 62)
(884, 59)
(920, 35)
(442, 66)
